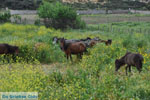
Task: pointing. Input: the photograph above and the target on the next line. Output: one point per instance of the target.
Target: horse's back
(133, 58)
(77, 47)
(3, 48)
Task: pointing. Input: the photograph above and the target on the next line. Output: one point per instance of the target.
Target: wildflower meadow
(42, 67)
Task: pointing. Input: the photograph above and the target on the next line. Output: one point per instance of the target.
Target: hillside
(91, 4)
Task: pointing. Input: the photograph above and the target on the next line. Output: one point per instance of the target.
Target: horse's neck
(122, 59)
(66, 45)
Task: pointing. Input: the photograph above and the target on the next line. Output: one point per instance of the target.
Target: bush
(59, 16)
(147, 6)
(5, 17)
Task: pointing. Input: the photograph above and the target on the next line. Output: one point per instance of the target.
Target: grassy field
(43, 68)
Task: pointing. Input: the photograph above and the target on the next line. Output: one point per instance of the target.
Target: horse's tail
(140, 60)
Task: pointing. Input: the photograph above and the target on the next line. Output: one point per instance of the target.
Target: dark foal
(76, 48)
(107, 42)
(7, 49)
(131, 59)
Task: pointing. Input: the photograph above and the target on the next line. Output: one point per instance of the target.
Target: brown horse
(7, 49)
(72, 48)
(93, 42)
(131, 59)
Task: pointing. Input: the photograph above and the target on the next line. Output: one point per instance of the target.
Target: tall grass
(93, 77)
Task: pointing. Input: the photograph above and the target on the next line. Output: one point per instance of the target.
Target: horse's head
(109, 41)
(62, 43)
(16, 49)
(118, 64)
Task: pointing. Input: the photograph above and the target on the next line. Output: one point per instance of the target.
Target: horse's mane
(66, 45)
(122, 58)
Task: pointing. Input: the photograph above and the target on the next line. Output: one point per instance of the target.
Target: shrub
(59, 16)
(17, 18)
(37, 22)
(5, 17)
(148, 6)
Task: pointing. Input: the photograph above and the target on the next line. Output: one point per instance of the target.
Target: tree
(59, 16)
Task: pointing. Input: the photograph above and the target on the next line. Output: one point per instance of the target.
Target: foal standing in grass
(131, 59)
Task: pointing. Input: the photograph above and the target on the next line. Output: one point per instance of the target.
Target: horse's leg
(14, 58)
(139, 66)
(67, 56)
(130, 69)
(78, 56)
(6, 57)
(70, 57)
(127, 70)
(81, 55)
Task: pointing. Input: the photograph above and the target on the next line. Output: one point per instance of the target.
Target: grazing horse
(72, 48)
(131, 59)
(9, 50)
(92, 43)
(108, 42)
(87, 41)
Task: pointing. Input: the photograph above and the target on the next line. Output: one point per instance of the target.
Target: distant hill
(79, 4)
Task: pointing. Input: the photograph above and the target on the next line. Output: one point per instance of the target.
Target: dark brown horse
(72, 48)
(131, 59)
(7, 49)
(107, 42)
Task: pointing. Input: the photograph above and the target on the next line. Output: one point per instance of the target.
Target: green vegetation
(93, 77)
(5, 16)
(59, 16)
